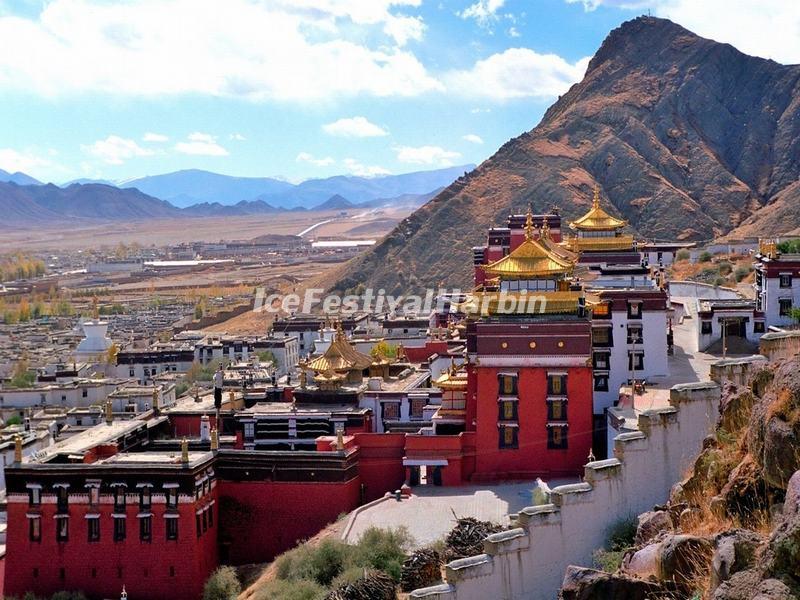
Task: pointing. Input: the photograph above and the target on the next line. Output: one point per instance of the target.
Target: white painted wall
(528, 563)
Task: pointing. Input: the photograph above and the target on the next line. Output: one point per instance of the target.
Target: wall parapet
(646, 464)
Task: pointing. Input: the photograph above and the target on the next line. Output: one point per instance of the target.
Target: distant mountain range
(25, 201)
(211, 191)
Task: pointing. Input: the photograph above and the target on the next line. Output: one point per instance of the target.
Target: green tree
(222, 585)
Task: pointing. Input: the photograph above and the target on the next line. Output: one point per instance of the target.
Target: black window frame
(502, 444)
(93, 530)
(706, 327)
(172, 498)
(146, 528)
(551, 379)
(632, 328)
(637, 313)
(62, 529)
(600, 382)
(759, 327)
(501, 408)
(120, 529)
(34, 496)
(551, 442)
(62, 499)
(145, 498)
(35, 533)
(785, 280)
(551, 414)
(502, 388)
(597, 365)
(172, 529)
(120, 498)
(784, 310)
(609, 342)
(632, 363)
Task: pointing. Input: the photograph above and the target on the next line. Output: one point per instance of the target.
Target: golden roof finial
(545, 234)
(529, 224)
(596, 199)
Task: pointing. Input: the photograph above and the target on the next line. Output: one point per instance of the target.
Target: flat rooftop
(154, 458)
(285, 409)
(92, 437)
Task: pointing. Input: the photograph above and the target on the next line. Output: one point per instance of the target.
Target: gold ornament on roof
(597, 219)
(529, 224)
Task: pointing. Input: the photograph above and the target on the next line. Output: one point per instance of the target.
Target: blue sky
(309, 88)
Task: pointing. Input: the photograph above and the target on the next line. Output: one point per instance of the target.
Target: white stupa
(95, 342)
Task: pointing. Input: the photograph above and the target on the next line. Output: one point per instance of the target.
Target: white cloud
(359, 169)
(154, 137)
(287, 50)
(766, 28)
(517, 73)
(237, 137)
(473, 138)
(354, 127)
(12, 161)
(512, 32)
(426, 155)
(202, 144)
(115, 150)
(319, 162)
(483, 11)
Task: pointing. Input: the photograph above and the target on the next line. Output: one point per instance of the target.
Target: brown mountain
(26, 205)
(686, 137)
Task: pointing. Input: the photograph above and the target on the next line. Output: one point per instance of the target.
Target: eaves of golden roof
(597, 219)
(340, 356)
(531, 259)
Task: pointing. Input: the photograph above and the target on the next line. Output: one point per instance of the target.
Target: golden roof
(452, 379)
(532, 258)
(597, 219)
(340, 356)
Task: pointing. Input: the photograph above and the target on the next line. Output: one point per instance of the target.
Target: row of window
(120, 497)
(556, 410)
(604, 336)
(557, 438)
(508, 384)
(119, 528)
(62, 572)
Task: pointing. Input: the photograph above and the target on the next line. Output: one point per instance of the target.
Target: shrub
(222, 585)
(705, 256)
(607, 560)
(620, 537)
(682, 255)
(320, 563)
(301, 589)
(382, 549)
(725, 267)
(740, 273)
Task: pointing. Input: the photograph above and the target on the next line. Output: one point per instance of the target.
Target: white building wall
(528, 563)
(771, 296)
(704, 340)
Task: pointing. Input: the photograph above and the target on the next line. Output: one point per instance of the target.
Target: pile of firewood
(466, 538)
(375, 585)
(421, 569)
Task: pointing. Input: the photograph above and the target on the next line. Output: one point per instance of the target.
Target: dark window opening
(557, 438)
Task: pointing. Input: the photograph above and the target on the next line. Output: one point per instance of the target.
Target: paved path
(428, 513)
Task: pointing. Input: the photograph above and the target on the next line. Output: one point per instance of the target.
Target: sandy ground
(164, 232)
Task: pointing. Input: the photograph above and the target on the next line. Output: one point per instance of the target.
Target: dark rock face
(686, 137)
(734, 551)
(588, 584)
(680, 558)
(652, 523)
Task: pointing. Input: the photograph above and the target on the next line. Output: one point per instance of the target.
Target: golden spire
(17, 449)
(545, 234)
(529, 224)
(214, 439)
(596, 199)
(184, 451)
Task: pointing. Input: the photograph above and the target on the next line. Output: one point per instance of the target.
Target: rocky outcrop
(588, 584)
(686, 137)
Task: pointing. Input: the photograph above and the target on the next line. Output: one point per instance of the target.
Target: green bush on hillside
(222, 585)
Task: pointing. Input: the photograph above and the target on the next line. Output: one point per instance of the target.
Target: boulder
(745, 492)
(741, 586)
(782, 555)
(735, 405)
(681, 557)
(581, 583)
(651, 523)
(642, 563)
(774, 589)
(791, 505)
(734, 551)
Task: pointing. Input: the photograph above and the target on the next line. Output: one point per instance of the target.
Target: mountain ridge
(686, 138)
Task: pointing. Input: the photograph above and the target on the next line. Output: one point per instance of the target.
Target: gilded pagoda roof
(531, 259)
(597, 219)
(340, 356)
(452, 379)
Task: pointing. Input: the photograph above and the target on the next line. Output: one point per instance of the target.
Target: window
(508, 410)
(204, 520)
(635, 334)
(35, 496)
(391, 410)
(556, 410)
(602, 336)
(35, 529)
(556, 384)
(601, 383)
(211, 516)
(249, 431)
(634, 310)
(144, 498)
(784, 306)
(62, 499)
(507, 384)
(131, 373)
(758, 327)
(119, 529)
(94, 529)
(172, 571)
(635, 361)
(197, 525)
(119, 498)
(508, 437)
(94, 495)
(172, 498)
(417, 406)
(172, 529)
(85, 392)
(145, 528)
(62, 529)
(600, 360)
(785, 280)
(705, 327)
(557, 437)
